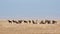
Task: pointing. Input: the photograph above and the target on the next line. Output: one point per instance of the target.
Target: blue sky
(29, 8)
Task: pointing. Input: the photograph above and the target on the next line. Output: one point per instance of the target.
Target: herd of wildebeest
(33, 21)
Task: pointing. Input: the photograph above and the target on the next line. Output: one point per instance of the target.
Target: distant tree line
(33, 21)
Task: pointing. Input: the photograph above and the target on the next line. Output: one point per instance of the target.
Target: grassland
(7, 28)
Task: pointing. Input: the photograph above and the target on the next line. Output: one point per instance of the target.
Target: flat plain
(7, 28)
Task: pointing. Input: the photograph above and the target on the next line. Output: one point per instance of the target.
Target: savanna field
(29, 27)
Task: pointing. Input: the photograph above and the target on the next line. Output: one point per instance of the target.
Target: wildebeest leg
(9, 21)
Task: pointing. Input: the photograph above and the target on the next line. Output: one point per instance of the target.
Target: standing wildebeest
(48, 21)
(20, 21)
(25, 21)
(9, 21)
(15, 21)
(45, 22)
(42, 22)
(29, 21)
(34, 22)
(53, 22)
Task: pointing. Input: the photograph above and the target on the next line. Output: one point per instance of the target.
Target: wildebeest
(48, 21)
(29, 21)
(20, 21)
(9, 21)
(15, 21)
(42, 22)
(25, 21)
(54, 22)
(34, 22)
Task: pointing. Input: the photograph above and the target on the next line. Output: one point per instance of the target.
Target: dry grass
(6, 28)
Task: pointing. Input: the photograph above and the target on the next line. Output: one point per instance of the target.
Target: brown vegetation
(24, 28)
